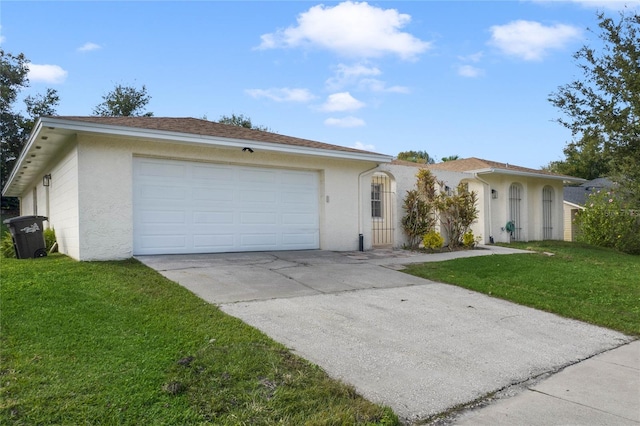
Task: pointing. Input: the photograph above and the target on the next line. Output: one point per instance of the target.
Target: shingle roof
(195, 126)
(475, 164)
(578, 194)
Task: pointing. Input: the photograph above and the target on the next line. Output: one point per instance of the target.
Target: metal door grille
(547, 220)
(515, 198)
(381, 210)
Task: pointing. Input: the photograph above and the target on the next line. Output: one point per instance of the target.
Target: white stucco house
(115, 187)
(531, 199)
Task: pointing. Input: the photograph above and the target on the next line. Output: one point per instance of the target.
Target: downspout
(475, 175)
(360, 230)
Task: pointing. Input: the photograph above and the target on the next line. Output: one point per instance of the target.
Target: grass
(591, 284)
(116, 343)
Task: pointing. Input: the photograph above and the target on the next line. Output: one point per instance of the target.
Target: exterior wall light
(46, 180)
(494, 194)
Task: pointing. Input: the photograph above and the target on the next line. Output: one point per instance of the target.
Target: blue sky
(469, 78)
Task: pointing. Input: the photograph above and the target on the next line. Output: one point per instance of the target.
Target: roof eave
(11, 188)
(169, 136)
(566, 179)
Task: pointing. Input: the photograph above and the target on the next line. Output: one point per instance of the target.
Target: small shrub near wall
(433, 241)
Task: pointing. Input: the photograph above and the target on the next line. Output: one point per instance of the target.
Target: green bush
(432, 240)
(607, 222)
(468, 239)
(6, 246)
(49, 238)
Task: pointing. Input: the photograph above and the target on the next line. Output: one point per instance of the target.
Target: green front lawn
(591, 284)
(116, 343)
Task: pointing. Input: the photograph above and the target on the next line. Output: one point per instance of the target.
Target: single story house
(115, 187)
(575, 199)
(532, 200)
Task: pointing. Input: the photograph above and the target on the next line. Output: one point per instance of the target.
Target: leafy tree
(602, 109)
(586, 160)
(421, 157)
(450, 158)
(14, 126)
(241, 120)
(124, 101)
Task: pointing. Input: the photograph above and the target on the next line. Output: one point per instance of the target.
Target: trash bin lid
(23, 219)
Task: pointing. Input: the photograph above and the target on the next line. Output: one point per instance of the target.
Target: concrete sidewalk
(603, 390)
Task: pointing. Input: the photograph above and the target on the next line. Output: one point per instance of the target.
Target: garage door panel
(216, 218)
(218, 173)
(298, 240)
(260, 241)
(298, 219)
(162, 216)
(160, 242)
(214, 242)
(188, 207)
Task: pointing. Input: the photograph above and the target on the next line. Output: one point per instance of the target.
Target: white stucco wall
(493, 213)
(92, 198)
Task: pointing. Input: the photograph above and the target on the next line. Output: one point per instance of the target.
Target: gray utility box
(27, 235)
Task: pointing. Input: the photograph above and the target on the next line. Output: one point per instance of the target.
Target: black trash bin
(27, 235)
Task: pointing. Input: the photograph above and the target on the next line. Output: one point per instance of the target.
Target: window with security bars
(515, 199)
(547, 210)
(376, 200)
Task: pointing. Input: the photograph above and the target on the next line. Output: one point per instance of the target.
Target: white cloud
(88, 47)
(375, 85)
(2, 38)
(341, 102)
(531, 40)
(350, 28)
(474, 57)
(366, 147)
(350, 74)
(283, 94)
(469, 71)
(344, 122)
(47, 73)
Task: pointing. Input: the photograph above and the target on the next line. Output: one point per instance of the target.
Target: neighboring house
(114, 187)
(575, 199)
(530, 199)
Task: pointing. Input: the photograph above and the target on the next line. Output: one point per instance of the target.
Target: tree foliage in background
(602, 109)
(241, 120)
(421, 157)
(450, 158)
(15, 126)
(124, 101)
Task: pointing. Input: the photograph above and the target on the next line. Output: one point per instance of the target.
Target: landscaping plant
(607, 221)
(431, 203)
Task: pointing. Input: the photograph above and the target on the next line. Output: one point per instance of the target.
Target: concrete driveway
(420, 347)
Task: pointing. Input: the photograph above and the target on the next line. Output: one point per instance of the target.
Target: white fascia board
(578, 206)
(20, 160)
(188, 138)
(566, 179)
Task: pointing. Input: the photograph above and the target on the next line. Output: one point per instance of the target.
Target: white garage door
(189, 207)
